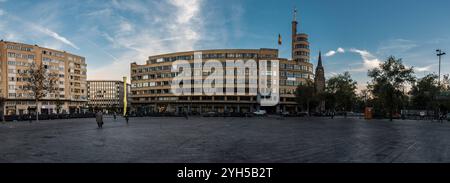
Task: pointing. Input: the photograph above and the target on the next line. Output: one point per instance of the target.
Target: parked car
(260, 112)
(285, 114)
(211, 114)
(302, 114)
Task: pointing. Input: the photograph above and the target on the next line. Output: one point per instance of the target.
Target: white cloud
(126, 26)
(55, 36)
(396, 46)
(423, 69)
(187, 9)
(16, 34)
(168, 36)
(330, 53)
(334, 52)
(369, 61)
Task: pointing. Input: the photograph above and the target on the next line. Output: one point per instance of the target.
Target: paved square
(198, 139)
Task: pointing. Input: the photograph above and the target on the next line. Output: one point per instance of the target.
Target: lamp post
(440, 53)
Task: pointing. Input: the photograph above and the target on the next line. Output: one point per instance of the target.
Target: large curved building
(151, 82)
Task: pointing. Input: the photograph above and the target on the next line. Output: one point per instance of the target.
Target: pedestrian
(99, 119)
(186, 115)
(126, 118)
(114, 115)
(30, 117)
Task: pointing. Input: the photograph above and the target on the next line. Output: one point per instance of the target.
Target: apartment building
(71, 96)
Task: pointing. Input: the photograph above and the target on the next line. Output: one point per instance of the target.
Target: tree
(425, 91)
(305, 95)
(341, 92)
(388, 84)
(39, 83)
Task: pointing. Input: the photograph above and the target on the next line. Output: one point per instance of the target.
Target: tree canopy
(340, 92)
(388, 84)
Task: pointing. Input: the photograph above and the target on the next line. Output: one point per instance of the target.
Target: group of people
(99, 118)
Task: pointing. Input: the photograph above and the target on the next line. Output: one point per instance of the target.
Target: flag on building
(279, 39)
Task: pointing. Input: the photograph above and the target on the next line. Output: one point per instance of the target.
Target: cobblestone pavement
(225, 140)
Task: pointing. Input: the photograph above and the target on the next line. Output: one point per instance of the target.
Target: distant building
(107, 96)
(71, 96)
(319, 81)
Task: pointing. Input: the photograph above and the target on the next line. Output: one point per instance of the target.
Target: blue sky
(354, 34)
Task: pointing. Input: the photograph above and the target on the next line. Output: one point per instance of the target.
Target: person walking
(99, 119)
(30, 117)
(126, 118)
(115, 116)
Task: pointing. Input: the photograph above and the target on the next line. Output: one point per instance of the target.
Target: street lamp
(440, 53)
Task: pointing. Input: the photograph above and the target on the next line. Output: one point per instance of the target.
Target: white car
(260, 113)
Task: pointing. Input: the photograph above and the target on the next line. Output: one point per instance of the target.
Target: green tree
(39, 83)
(341, 92)
(388, 84)
(305, 96)
(424, 92)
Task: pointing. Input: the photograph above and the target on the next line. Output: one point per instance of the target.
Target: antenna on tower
(295, 13)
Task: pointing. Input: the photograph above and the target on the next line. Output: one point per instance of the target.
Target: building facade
(71, 96)
(151, 82)
(107, 96)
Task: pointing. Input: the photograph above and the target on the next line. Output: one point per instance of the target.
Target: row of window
(151, 69)
(19, 55)
(45, 59)
(302, 46)
(301, 60)
(168, 68)
(45, 52)
(19, 48)
(32, 102)
(23, 95)
(287, 91)
(154, 76)
(302, 39)
(296, 75)
(296, 67)
(206, 98)
(213, 56)
(290, 83)
(25, 88)
(302, 53)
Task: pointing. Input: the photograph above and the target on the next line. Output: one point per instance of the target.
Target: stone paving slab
(225, 140)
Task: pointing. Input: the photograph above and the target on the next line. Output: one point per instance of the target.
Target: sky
(353, 35)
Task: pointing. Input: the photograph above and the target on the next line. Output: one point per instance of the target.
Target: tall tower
(319, 82)
(300, 44)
